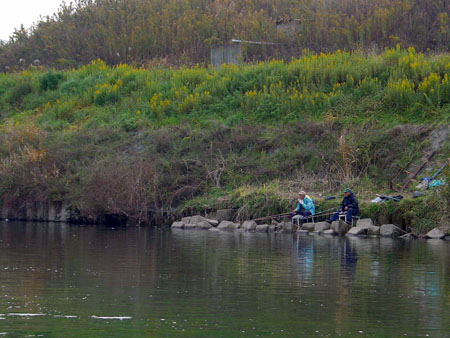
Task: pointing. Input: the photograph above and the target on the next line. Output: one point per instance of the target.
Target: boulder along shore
(362, 228)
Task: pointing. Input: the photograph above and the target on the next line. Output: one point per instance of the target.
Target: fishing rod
(290, 213)
(324, 212)
(273, 216)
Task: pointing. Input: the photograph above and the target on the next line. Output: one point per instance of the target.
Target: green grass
(244, 136)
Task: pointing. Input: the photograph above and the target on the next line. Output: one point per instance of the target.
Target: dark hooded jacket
(351, 202)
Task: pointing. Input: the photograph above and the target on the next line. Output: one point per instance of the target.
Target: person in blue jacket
(349, 206)
(304, 209)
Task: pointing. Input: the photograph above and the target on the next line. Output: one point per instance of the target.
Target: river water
(60, 280)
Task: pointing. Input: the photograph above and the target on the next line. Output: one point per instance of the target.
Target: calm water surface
(61, 280)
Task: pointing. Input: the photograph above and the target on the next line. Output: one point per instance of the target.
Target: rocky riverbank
(363, 227)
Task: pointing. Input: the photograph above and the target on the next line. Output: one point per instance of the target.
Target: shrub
(107, 93)
(19, 91)
(50, 81)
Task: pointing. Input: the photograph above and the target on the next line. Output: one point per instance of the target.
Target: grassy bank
(124, 140)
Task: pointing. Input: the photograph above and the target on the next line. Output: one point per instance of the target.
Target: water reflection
(218, 284)
(348, 256)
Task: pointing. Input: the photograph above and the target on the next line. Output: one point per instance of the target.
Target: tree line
(175, 32)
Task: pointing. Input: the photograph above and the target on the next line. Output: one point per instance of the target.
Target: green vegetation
(125, 140)
(177, 32)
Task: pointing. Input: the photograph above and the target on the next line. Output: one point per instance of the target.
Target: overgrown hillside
(177, 32)
(123, 140)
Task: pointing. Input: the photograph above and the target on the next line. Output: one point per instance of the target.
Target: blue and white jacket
(307, 205)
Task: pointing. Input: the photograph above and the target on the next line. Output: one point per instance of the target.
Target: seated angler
(349, 207)
(304, 209)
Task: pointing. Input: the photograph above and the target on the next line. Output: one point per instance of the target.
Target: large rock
(262, 228)
(177, 225)
(373, 231)
(408, 236)
(365, 223)
(288, 227)
(329, 232)
(356, 231)
(302, 232)
(435, 233)
(225, 214)
(197, 219)
(321, 226)
(213, 222)
(189, 226)
(228, 226)
(308, 226)
(248, 225)
(390, 230)
(274, 227)
(340, 227)
(186, 220)
(203, 225)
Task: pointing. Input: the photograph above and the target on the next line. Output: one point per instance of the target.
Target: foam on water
(27, 314)
(112, 318)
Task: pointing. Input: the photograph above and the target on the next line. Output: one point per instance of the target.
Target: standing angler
(349, 207)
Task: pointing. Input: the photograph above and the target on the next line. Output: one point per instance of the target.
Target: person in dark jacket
(349, 206)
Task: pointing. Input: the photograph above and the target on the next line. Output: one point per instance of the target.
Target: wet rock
(262, 228)
(373, 231)
(321, 226)
(213, 222)
(203, 225)
(249, 225)
(317, 232)
(365, 223)
(213, 229)
(225, 215)
(357, 231)
(390, 230)
(329, 232)
(335, 226)
(408, 236)
(177, 225)
(288, 227)
(340, 227)
(190, 226)
(274, 227)
(435, 233)
(228, 226)
(308, 226)
(302, 232)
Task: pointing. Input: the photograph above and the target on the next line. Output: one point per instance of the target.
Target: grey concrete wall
(226, 54)
(38, 211)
